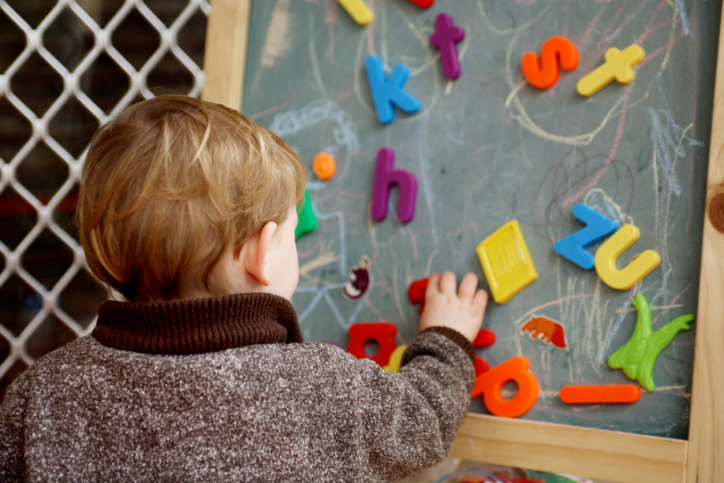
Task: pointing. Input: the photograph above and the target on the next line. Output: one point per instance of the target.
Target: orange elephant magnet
(546, 330)
(490, 385)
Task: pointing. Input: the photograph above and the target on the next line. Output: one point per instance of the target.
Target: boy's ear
(257, 252)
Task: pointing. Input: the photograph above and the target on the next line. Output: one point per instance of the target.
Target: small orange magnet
(324, 166)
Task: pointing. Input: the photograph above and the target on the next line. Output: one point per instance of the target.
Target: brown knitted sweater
(223, 389)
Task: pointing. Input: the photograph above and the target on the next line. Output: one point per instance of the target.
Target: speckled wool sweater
(224, 389)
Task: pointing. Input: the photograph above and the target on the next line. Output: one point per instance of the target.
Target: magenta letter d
(385, 177)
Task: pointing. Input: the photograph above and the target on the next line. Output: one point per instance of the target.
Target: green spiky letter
(638, 356)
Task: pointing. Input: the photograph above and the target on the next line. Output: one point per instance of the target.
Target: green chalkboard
(488, 148)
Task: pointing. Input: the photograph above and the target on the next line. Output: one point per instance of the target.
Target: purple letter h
(385, 177)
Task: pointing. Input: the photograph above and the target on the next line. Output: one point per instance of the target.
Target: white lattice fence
(40, 301)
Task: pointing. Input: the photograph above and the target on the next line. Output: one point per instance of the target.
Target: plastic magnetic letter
(423, 3)
(618, 393)
(542, 72)
(307, 221)
(573, 247)
(637, 357)
(445, 38)
(416, 293)
(507, 262)
(481, 367)
(607, 254)
(388, 91)
(385, 177)
(393, 365)
(618, 66)
(358, 10)
(490, 385)
(484, 338)
(381, 332)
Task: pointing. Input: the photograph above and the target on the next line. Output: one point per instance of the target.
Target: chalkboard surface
(488, 148)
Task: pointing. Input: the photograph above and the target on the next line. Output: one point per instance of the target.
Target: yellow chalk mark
(655, 307)
(618, 66)
(279, 35)
(371, 227)
(315, 62)
(320, 261)
(429, 261)
(397, 294)
(358, 10)
(655, 169)
(489, 25)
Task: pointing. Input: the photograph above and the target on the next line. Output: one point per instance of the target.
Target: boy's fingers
(467, 287)
(447, 283)
(433, 285)
(480, 301)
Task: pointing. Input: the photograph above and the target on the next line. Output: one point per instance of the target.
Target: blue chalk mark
(388, 91)
(573, 247)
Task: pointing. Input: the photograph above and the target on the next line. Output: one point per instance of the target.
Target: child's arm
(462, 311)
(12, 415)
(410, 418)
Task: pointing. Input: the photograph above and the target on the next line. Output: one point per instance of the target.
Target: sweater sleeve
(12, 435)
(408, 419)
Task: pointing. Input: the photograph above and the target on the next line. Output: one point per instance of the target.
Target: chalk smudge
(278, 39)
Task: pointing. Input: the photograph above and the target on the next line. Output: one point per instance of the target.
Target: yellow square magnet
(506, 262)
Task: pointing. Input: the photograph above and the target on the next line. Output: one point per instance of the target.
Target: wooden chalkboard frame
(594, 453)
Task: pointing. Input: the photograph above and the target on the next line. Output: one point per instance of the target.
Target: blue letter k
(386, 92)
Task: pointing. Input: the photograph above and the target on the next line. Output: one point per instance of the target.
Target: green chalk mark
(307, 221)
(638, 356)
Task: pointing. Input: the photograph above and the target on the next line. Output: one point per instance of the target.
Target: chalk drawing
(279, 35)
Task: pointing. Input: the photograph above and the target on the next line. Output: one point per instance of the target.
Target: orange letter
(490, 385)
(543, 72)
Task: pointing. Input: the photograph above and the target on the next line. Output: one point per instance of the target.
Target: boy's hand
(462, 311)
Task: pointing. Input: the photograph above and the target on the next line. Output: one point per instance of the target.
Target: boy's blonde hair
(169, 185)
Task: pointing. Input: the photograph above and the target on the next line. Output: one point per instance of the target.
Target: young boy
(188, 209)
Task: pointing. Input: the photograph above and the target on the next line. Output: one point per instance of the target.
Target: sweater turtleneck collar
(196, 326)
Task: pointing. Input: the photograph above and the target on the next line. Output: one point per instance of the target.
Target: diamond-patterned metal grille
(65, 68)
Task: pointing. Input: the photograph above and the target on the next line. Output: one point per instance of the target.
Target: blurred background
(66, 67)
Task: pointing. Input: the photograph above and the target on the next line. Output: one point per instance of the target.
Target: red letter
(381, 332)
(490, 385)
(423, 3)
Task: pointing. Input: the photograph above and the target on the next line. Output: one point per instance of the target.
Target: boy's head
(174, 185)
